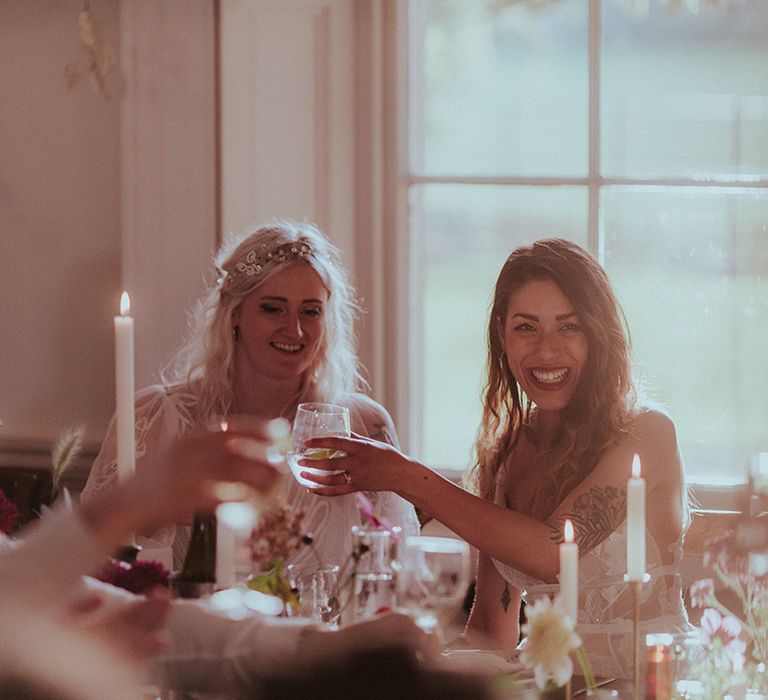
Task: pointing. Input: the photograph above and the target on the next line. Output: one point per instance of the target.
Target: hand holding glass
(316, 420)
(243, 505)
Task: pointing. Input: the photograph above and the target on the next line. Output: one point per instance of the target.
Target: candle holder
(637, 589)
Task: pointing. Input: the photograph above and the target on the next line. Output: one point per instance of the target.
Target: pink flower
(9, 514)
(722, 551)
(716, 630)
(278, 535)
(365, 507)
(760, 594)
(702, 593)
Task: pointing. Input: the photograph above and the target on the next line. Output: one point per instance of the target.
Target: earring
(235, 333)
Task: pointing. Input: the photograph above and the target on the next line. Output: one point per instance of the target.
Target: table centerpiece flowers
(550, 645)
(280, 534)
(733, 628)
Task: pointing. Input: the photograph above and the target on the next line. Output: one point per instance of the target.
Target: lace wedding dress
(605, 600)
(165, 413)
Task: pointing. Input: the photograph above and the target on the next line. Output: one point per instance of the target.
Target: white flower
(550, 639)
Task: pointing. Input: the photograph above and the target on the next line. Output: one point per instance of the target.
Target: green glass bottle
(197, 577)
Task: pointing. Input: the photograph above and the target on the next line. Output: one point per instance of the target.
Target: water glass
(374, 582)
(316, 420)
(433, 578)
(318, 594)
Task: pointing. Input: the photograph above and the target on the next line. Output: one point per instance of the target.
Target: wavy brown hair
(598, 413)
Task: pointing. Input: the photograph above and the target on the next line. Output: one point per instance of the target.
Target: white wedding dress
(605, 600)
(163, 414)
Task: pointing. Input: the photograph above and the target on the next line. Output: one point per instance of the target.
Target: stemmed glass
(316, 420)
(433, 578)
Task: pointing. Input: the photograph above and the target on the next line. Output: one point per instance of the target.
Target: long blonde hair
(206, 362)
(599, 412)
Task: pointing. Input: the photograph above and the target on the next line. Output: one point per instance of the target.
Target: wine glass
(433, 578)
(316, 420)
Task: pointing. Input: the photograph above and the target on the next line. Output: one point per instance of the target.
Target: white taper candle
(635, 523)
(225, 555)
(569, 573)
(124, 391)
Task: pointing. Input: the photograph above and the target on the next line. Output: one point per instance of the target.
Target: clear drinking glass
(318, 593)
(433, 578)
(374, 581)
(316, 420)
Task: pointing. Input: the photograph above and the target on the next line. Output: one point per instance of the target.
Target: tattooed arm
(595, 514)
(494, 622)
(519, 540)
(598, 506)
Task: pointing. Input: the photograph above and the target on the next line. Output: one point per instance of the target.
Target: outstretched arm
(68, 545)
(184, 481)
(519, 540)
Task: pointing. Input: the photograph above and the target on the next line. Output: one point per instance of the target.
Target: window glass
(468, 231)
(684, 94)
(504, 88)
(690, 266)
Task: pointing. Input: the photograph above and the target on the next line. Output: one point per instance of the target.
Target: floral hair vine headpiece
(258, 259)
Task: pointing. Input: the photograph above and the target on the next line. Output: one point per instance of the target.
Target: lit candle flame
(125, 304)
(568, 538)
(636, 467)
(224, 426)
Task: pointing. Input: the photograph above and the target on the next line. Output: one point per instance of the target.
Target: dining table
(235, 671)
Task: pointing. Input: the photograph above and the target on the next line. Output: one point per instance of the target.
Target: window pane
(499, 88)
(685, 94)
(691, 268)
(467, 232)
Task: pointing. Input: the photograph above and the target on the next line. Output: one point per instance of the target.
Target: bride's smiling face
(545, 346)
(281, 323)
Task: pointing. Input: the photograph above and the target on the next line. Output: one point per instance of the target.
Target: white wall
(168, 168)
(59, 226)
(98, 196)
(288, 114)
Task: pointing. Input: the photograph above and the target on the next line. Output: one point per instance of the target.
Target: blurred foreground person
(66, 637)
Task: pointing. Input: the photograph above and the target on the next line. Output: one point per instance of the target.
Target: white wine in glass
(315, 420)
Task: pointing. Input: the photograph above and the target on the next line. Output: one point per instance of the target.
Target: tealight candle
(569, 573)
(636, 523)
(125, 420)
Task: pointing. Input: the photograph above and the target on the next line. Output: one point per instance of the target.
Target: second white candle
(125, 420)
(636, 523)
(569, 573)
